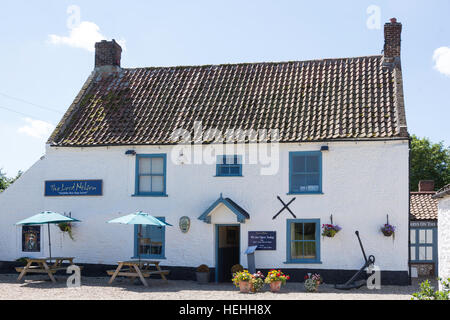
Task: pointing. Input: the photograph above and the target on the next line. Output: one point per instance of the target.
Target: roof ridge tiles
(321, 60)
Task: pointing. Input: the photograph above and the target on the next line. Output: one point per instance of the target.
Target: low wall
(188, 273)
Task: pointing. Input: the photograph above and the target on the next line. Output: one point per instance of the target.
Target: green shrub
(236, 268)
(203, 268)
(427, 291)
(22, 260)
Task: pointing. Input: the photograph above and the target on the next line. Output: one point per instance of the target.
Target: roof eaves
(445, 191)
(399, 101)
(65, 120)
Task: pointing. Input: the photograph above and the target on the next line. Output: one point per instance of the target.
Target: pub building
(321, 142)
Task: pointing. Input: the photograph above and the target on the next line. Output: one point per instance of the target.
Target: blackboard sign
(73, 188)
(265, 240)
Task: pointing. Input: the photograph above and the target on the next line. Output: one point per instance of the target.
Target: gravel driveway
(37, 287)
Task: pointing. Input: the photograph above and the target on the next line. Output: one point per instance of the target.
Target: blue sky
(46, 53)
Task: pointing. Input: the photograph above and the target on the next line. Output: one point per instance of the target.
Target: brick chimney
(426, 185)
(107, 53)
(392, 43)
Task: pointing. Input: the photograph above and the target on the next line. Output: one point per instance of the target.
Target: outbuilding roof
(423, 205)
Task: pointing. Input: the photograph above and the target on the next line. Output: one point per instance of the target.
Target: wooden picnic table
(41, 265)
(137, 268)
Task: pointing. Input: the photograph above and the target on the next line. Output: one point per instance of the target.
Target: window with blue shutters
(423, 244)
(229, 166)
(305, 172)
(150, 241)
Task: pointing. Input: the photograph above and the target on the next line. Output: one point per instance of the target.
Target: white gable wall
(362, 182)
(444, 237)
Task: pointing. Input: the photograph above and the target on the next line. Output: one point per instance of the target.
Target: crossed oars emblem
(285, 206)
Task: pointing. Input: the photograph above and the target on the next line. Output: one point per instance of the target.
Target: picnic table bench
(40, 265)
(137, 268)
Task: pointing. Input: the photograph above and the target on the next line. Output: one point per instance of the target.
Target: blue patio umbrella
(140, 218)
(46, 217)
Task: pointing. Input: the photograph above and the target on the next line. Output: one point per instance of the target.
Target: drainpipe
(409, 211)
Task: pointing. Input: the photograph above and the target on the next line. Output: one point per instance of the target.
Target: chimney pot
(107, 53)
(392, 42)
(426, 185)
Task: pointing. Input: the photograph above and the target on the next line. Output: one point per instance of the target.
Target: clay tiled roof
(423, 206)
(319, 100)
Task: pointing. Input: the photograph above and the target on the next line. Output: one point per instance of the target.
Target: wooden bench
(144, 273)
(37, 269)
(41, 266)
(135, 268)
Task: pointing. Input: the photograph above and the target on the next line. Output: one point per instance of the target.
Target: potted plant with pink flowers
(312, 282)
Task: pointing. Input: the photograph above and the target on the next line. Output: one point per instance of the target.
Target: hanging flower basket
(66, 227)
(388, 230)
(330, 230)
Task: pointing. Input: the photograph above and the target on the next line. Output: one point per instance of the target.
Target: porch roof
(240, 213)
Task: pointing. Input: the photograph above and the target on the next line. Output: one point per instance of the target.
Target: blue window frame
(229, 166)
(423, 244)
(150, 175)
(303, 240)
(305, 172)
(151, 242)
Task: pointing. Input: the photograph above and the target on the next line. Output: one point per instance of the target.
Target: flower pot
(202, 277)
(245, 286)
(317, 285)
(275, 286)
(387, 233)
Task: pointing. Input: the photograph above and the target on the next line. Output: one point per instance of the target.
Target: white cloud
(84, 35)
(441, 57)
(36, 128)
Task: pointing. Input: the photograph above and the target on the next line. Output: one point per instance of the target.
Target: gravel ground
(37, 287)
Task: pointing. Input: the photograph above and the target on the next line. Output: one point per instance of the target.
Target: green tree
(429, 161)
(5, 182)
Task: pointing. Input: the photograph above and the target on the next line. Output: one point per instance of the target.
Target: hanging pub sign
(31, 238)
(60, 188)
(264, 240)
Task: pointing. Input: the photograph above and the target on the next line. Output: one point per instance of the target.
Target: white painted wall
(362, 182)
(444, 237)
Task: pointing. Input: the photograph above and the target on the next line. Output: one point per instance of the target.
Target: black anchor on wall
(285, 206)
